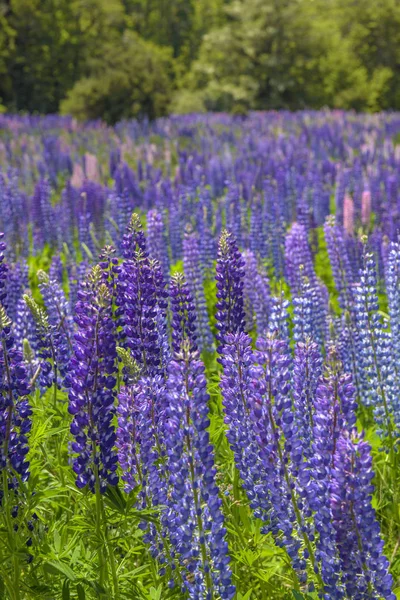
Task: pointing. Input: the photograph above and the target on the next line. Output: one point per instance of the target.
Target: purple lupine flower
(298, 258)
(76, 277)
(3, 271)
(256, 295)
(91, 380)
(122, 208)
(54, 330)
(134, 239)
(157, 241)
(307, 369)
(234, 212)
(257, 242)
(195, 520)
(278, 322)
(24, 327)
(46, 348)
(149, 404)
(334, 413)
(237, 383)
(175, 229)
(43, 221)
(142, 303)
(207, 244)
(194, 278)
(273, 418)
(15, 411)
(309, 313)
(274, 228)
(183, 324)
(230, 314)
(17, 283)
(59, 314)
(340, 262)
(375, 352)
(128, 438)
(56, 270)
(364, 567)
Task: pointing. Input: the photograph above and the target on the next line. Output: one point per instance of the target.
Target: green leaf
(80, 591)
(56, 568)
(57, 541)
(155, 594)
(115, 499)
(247, 595)
(65, 590)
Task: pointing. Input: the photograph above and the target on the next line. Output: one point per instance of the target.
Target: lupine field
(200, 358)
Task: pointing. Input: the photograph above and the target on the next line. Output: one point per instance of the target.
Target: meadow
(200, 357)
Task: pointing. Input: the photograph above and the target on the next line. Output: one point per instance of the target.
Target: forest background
(117, 59)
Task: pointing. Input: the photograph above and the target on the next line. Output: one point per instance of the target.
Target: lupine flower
(230, 314)
(307, 369)
(195, 520)
(183, 324)
(77, 276)
(364, 567)
(24, 326)
(194, 277)
(298, 258)
(273, 422)
(374, 350)
(44, 343)
(309, 313)
(56, 269)
(334, 412)
(279, 317)
(3, 271)
(340, 262)
(15, 411)
(348, 214)
(392, 274)
(256, 294)
(237, 383)
(134, 239)
(59, 316)
(91, 380)
(365, 207)
(128, 435)
(157, 242)
(149, 409)
(142, 303)
(17, 283)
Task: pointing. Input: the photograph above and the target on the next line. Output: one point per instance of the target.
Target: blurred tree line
(116, 59)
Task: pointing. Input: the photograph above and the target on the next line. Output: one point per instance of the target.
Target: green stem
(13, 590)
(99, 514)
(110, 552)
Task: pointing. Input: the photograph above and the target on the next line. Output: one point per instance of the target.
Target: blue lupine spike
(364, 567)
(278, 322)
(91, 382)
(375, 351)
(257, 295)
(340, 262)
(195, 520)
(141, 307)
(230, 315)
(183, 313)
(157, 242)
(194, 278)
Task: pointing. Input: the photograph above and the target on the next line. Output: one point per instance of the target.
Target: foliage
(231, 55)
(131, 79)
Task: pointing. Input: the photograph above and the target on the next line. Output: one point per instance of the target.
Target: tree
(131, 79)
